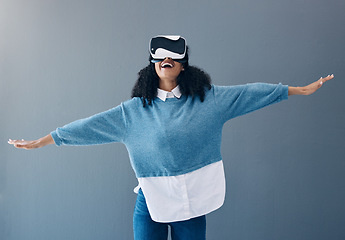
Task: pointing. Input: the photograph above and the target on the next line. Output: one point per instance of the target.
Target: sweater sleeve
(234, 101)
(105, 127)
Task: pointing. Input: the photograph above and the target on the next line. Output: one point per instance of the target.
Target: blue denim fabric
(147, 229)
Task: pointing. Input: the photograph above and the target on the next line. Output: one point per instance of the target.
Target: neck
(167, 85)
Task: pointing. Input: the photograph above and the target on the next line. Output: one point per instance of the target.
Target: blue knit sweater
(172, 137)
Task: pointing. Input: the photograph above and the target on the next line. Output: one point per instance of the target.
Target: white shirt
(186, 196)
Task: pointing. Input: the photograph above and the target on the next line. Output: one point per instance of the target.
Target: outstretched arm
(101, 128)
(32, 144)
(311, 88)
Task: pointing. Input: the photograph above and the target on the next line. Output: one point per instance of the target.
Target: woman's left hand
(311, 88)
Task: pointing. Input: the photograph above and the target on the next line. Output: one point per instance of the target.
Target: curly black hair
(192, 81)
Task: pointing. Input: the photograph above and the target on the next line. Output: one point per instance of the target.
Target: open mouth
(167, 65)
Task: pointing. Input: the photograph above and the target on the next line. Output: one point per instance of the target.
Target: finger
(22, 145)
(17, 145)
(329, 77)
(323, 80)
(318, 83)
(10, 141)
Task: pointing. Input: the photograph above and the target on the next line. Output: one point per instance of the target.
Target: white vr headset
(164, 46)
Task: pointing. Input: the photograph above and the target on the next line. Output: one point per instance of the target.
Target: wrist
(294, 91)
(300, 90)
(45, 141)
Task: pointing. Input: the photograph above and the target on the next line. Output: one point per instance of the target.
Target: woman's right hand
(32, 144)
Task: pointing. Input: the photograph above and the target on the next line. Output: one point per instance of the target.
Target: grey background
(64, 60)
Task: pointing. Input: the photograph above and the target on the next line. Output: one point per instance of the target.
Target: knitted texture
(172, 137)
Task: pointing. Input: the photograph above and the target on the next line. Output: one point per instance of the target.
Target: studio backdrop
(65, 60)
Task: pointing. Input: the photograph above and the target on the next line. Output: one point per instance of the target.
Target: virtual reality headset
(164, 46)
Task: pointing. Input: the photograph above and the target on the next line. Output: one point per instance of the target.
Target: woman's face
(168, 69)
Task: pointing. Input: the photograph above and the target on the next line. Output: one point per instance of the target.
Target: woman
(172, 130)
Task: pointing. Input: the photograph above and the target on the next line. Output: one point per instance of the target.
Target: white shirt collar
(163, 95)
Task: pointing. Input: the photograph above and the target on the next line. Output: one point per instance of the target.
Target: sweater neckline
(170, 100)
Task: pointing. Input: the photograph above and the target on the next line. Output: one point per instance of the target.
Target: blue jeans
(147, 229)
